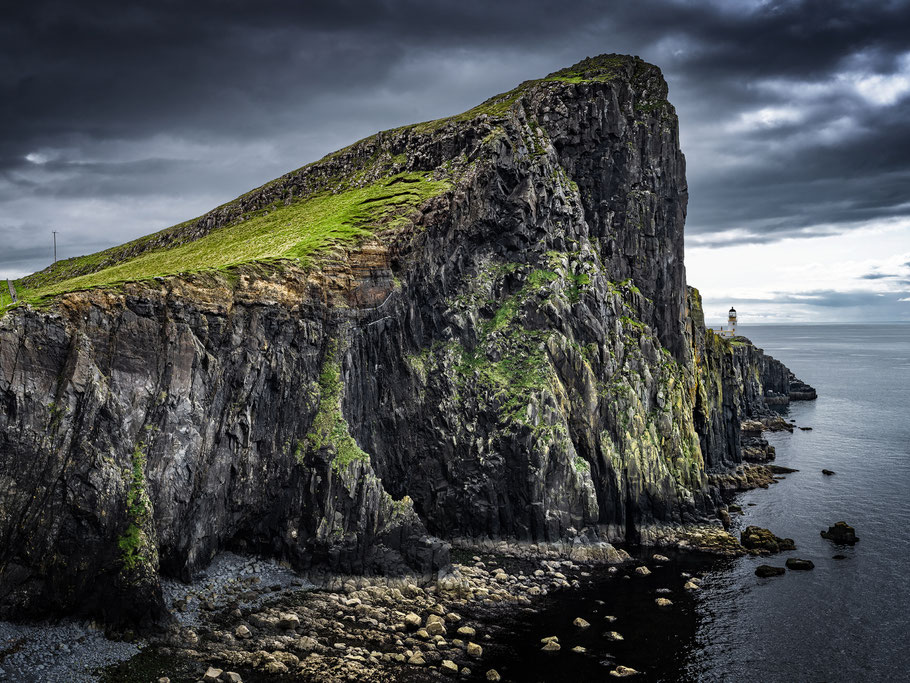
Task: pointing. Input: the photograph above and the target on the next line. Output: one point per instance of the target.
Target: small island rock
(842, 533)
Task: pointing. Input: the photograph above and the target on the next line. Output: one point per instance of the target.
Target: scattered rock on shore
(623, 672)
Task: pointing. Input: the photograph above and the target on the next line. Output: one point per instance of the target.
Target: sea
(846, 620)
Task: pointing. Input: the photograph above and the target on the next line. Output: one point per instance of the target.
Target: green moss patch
(330, 429)
(133, 541)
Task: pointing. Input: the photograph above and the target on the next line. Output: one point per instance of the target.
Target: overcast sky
(794, 118)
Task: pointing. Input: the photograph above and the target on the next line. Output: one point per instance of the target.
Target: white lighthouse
(730, 329)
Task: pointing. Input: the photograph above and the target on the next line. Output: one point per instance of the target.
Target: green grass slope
(297, 231)
(340, 214)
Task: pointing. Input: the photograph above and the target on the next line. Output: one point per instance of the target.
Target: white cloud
(36, 158)
(796, 270)
(767, 117)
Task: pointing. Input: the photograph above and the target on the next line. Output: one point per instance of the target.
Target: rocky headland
(488, 343)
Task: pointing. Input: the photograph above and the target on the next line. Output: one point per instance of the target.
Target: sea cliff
(490, 338)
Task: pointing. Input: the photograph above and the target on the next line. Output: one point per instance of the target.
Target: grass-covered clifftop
(295, 231)
(370, 186)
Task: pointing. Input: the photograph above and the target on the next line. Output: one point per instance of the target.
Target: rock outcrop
(518, 358)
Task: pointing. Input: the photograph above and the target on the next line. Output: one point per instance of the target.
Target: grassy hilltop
(378, 193)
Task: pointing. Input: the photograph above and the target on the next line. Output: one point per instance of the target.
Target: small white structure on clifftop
(730, 329)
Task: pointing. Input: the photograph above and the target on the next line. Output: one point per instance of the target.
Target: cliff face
(516, 357)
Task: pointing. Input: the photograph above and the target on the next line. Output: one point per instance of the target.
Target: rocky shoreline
(259, 620)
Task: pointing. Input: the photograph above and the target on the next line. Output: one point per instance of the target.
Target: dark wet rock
(838, 557)
(828, 473)
(765, 571)
(841, 533)
(799, 565)
(759, 541)
(780, 469)
(806, 429)
(800, 391)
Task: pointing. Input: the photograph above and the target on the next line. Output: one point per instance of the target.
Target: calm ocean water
(847, 620)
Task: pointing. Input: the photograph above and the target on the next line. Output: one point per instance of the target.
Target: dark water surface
(847, 620)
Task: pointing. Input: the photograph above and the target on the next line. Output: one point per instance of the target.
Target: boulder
(765, 571)
(474, 650)
(580, 623)
(623, 672)
(448, 667)
(612, 635)
(435, 625)
(642, 571)
(759, 541)
(842, 533)
(798, 564)
(663, 603)
(412, 621)
(212, 674)
(493, 675)
(287, 622)
(828, 473)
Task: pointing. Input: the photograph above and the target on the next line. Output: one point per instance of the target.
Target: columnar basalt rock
(516, 358)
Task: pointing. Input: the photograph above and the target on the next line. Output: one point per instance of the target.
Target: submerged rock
(841, 533)
(828, 473)
(765, 571)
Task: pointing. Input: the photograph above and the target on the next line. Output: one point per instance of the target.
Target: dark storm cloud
(120, 119)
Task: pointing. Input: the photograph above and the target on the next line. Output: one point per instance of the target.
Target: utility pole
(55, 245)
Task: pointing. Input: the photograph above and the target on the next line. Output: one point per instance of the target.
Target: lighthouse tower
(731, 320)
